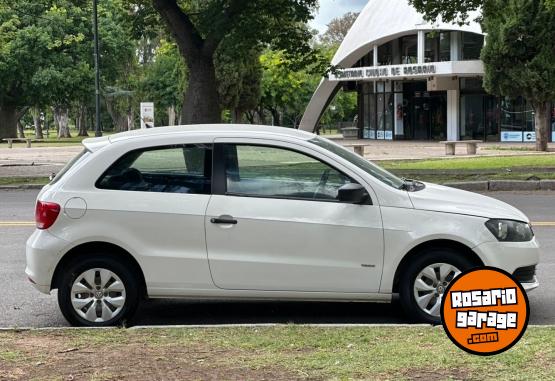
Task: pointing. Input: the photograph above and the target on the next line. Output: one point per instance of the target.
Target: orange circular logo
(485, 311)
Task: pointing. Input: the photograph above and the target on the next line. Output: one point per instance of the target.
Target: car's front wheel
(98, 291)
(425, 280)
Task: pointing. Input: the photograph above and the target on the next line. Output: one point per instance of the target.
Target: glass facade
(409, 49)
(517, 120)
(437, 47)
(471, 46)
(377, 109)
(406, 109)
(479, 112)
(385, 54)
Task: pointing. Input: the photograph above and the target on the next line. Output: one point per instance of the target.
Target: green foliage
(165, 78)
(448, 10)
(239, 76)
(519, 54)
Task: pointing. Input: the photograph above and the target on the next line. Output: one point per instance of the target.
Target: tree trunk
(171, 115)
(236, 115)
(201, 103)
(8, 121)
(20, 131)
(130, 120)
(82, 121)
(35, 113)
(61, 114)
(541, 115)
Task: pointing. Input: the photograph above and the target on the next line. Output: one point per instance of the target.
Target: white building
(417, 80)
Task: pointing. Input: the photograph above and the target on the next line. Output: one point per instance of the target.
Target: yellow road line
(16, 223)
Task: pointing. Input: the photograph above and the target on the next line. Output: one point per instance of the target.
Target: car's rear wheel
(98, 291)
(425, 280)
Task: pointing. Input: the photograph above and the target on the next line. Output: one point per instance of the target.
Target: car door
(153, 200)
(274, 223)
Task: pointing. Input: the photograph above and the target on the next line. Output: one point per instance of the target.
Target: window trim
(155, 148)
(219, 183)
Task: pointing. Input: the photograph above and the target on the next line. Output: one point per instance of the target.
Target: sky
(330, 9)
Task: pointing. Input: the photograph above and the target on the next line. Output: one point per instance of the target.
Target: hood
(450, 200)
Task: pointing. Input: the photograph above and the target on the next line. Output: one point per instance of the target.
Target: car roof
(209, 129)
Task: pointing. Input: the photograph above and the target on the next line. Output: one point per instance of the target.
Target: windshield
(367, 166)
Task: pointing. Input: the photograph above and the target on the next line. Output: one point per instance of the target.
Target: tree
(239, 78)
(338, 28)
(199, 28)
(22, 45)
(519, 52)
(164, 80)
(285, 92)
(519, 56)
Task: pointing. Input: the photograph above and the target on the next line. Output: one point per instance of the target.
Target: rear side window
(80, 157)
(169, 169)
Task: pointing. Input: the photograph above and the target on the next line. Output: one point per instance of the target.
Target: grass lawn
(475, 163)
(23, 180)
(271, 353)
(53, 141)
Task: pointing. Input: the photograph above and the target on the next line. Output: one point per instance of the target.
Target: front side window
(368, 167)
(173, 169)
(262, 171)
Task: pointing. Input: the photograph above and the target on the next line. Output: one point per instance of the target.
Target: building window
(517, 120)
(409, 49)
(385, 54)
(379, 109)
(472, 44)
(437, 47)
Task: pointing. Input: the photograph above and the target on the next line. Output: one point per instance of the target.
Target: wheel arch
(108, 249)
(436, 243)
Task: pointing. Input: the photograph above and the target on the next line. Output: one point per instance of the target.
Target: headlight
(510, 231)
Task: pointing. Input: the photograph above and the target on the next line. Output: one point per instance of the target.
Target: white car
(254, 212)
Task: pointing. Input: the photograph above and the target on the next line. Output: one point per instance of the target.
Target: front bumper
(510, 256)
(43, 252)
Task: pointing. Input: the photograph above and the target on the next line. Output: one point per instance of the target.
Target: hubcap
(430, 284)
(98, 295)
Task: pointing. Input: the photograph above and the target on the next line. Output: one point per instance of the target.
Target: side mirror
(353, 193)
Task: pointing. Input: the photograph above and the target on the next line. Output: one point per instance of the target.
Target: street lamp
(97, 131)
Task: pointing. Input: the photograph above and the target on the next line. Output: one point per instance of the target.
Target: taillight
(46, 214)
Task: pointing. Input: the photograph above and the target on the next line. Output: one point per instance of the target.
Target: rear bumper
(43, 252)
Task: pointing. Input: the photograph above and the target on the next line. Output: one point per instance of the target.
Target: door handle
(224, 220)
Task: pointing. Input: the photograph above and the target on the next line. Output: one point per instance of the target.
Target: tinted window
(175, 169)
(276, 172)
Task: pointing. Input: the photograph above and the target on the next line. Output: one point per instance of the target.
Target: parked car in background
(254, 212)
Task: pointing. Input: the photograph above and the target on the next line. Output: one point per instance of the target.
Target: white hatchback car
(253, 212)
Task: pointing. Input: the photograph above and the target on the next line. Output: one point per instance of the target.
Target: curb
(21, 187)
(504, 185)
(262, 325)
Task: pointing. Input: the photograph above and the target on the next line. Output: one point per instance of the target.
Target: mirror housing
(354, 194)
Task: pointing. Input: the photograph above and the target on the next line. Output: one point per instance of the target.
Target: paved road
(22, 306)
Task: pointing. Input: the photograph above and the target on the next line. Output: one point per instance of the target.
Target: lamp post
(97, 131)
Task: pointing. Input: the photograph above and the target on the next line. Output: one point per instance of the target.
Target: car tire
(98, 291)
(433, 269)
